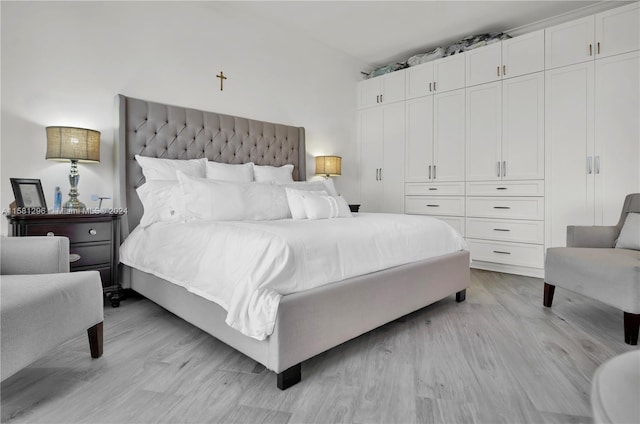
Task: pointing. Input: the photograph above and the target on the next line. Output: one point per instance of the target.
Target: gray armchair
(42, 304)
(590, 265)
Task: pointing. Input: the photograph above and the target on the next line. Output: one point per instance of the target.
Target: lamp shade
(328, 165)
(69, 143)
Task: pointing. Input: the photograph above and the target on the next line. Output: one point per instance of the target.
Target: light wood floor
(499, 357)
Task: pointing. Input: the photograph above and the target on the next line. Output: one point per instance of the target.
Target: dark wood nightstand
(94, 240)
(354, 208)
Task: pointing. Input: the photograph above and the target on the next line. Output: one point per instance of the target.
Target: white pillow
(232, 201)
(324, 185)
(630, 233)
(273, 174)
(162, 201)
(230, 172)
(318, 206)
(296, 205)
(165, 169)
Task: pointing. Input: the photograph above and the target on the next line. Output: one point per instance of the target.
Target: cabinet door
(523, 127)
(370, 135)
(419, 80)
(369, 92)
(484, 131)
(569, 106)
(523, 55)
(392, 174)
(617, 30)
(617, 134)
(393, 87)
(419, 144)
(569, 43)
(449, 73)
(449, 136)
(484, 64)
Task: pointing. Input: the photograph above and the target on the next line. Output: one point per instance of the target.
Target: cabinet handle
(498, 168)
(433, 206)
(378, 98)
(501, 229)
(432, 188)
(93, 232)
(429, 171)
(597, 164)
(50, 234)
(380, 174)
(497, 71)
(434, 86)
(504, 70)
(381, 98)
(501, 207)
(377, 174)
(590, 50)
(430, 86)
(598, 48)
(501, 252)
(501, 188)
(504, 168)
(74, 257)
(589, 165)
(434, 172)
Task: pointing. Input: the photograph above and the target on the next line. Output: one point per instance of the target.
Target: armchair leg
(95, 340)
(631, 328)
(549, 290)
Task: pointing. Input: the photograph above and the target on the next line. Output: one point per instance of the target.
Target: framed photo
(29, 195)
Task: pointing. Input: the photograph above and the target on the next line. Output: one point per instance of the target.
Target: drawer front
(434, 189)
(506, 230)
(426, 205)
(501, 207)
(80, 256)
(506, 188)
(518, 254)
(457, 222)
(76, 232)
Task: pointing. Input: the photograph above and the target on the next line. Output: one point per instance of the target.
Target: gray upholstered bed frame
(308, 322)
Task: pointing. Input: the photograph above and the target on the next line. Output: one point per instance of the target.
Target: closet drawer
(427, 205)
(502, 207)
(506, 188)
(506, 230)
(434, 189)
(457, 222)
(519, 254)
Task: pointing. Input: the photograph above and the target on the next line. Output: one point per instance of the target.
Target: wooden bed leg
(631, 328)
(548, 295)
(289, 377)
(95, 340)
(461, 295)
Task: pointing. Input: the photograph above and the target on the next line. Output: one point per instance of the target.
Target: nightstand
(354, 208)
(94, 240)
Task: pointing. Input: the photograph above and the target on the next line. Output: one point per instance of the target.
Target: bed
(308, 322)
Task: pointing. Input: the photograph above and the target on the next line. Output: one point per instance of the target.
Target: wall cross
(222, 78)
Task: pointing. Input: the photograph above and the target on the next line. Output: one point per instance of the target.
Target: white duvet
(246, 266)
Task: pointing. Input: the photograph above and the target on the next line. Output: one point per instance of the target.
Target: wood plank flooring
(498, 357)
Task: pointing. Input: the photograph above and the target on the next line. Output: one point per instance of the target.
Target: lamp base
(73, 205)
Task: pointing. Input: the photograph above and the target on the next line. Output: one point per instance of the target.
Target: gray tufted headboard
(172, 132)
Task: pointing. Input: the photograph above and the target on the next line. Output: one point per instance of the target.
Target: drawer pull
(50, 234)
(74, 257)
(93, 232)
(432, 188)
(501, 207)
(501, 188)
(500, 229)
(501, 252)
(433, 206)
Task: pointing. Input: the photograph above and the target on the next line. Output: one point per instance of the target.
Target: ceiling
(382, 32)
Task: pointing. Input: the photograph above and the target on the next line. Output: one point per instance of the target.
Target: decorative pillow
(319, 206)
(232, 201)
(162, 201)
(296, 204)
(630, 234)
(273, 174)
(230, 172)
(323, 185)
(165, 169)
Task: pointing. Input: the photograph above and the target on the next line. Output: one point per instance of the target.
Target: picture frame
(29, 196)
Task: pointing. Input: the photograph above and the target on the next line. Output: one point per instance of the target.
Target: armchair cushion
(630, 233)
(609, 275)
(34, 255)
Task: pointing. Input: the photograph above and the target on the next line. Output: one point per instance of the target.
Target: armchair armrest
(596, 237)
(34, 255)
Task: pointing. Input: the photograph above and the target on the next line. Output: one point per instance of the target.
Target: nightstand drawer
(90, 255)
(76, 232)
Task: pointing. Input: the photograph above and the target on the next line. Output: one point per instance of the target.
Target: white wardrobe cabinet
(608, 33)
(439, 76)
(381, 137)
(505, 129)
(385, 89)
(509, 58)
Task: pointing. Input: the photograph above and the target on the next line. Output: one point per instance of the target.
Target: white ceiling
(382, 32)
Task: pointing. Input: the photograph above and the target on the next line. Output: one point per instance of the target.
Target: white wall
(63, 63)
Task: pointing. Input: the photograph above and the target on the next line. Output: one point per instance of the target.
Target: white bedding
(246, 266)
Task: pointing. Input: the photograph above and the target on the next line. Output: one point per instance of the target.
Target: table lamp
(329, 166)
(75, 145)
